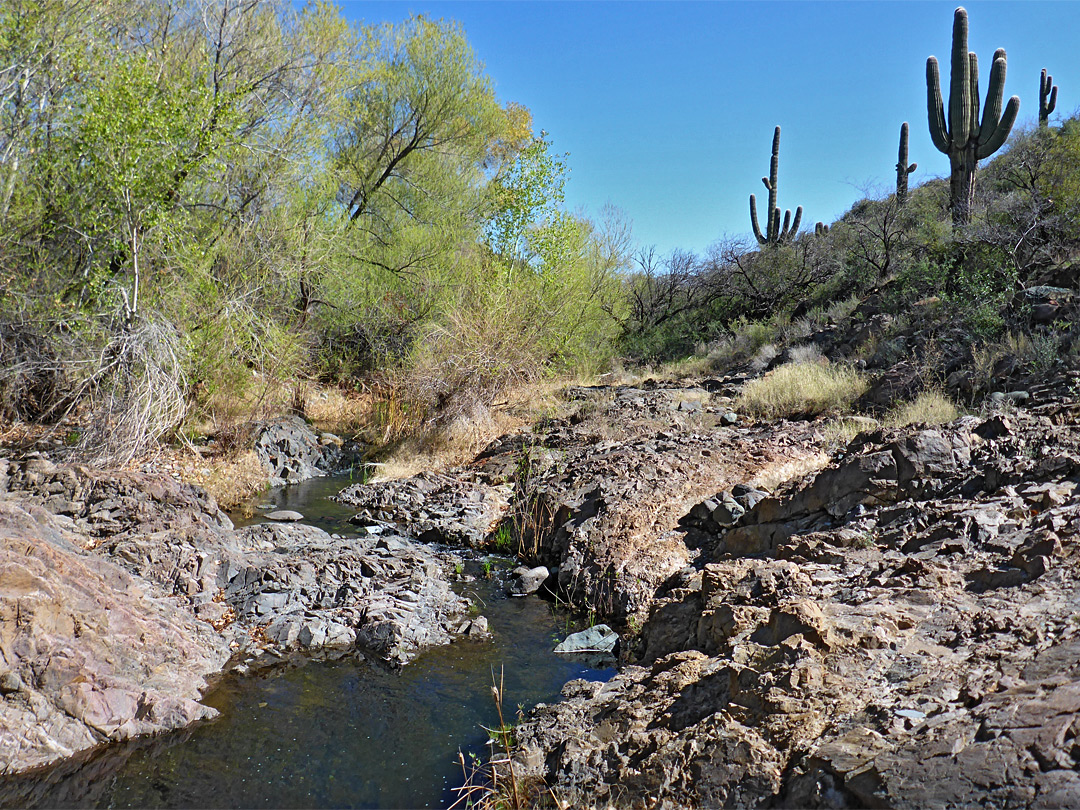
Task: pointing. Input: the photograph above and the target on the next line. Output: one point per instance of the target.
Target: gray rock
(284, 516)
(597, 639)
(729, 418)
(524, 581)
(291, 451)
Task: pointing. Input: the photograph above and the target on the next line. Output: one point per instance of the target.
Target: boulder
(524, 581)
(291, 451)
(597, 639)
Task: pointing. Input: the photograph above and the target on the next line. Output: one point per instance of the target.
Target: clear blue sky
(667, 108)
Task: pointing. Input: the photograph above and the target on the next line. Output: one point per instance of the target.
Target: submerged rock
(284, 516)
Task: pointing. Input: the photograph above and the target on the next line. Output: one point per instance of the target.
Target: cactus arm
(960, 81)
(912, 167)
(1053, 100)
(786, 228)
(973, 67)
(1003, 129)
(994, 95)
(754, 222)
(795, 222)
(774, 226)
(774, 175)
(934, 106)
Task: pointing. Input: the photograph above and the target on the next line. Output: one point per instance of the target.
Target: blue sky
(667, 108)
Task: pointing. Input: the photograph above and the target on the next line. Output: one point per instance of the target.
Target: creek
(336, 733)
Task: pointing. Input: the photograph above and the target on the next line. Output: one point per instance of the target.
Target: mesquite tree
(774, 233)
(961, 136)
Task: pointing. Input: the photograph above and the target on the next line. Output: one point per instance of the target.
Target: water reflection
(346, 733)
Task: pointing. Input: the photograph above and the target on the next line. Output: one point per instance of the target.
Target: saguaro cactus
(902, 167)
(963, 138)
(774, 232)
(1047, 98)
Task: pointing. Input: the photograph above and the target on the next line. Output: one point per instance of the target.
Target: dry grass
(802, 389)
(458, 441)
(344, 413)
(929, 408)
(839, 432)
(772, 475)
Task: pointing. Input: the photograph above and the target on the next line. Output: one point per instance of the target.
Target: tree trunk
(962, 184)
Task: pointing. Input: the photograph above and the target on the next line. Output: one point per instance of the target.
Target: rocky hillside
(897, 627)
(890, 621)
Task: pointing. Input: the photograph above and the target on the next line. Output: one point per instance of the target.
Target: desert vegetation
(211, 213)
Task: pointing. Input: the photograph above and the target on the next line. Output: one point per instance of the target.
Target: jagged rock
(431, 507)
(291, 451)
(897, 630)
(116, 609)
(90, 655)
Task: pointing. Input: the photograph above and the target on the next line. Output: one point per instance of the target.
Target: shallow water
(341, 733)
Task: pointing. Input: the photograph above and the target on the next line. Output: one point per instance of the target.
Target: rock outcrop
(601, 512)
(122, 595)
(88, 654)
(291, 451)
(897, 630)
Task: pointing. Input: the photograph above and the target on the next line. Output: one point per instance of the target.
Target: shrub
(802, 389)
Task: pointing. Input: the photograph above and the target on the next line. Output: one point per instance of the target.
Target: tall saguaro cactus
(902, 167)
(1047, 98)
(774, 232)
(962, 137)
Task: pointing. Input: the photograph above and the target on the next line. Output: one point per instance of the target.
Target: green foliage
(903, 168)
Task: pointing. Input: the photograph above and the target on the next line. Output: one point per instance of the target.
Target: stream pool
(334, 733)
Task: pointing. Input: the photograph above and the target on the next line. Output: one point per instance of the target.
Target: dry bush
(802, 389)
(929, 408)
(233, 480)
(33, 384)
(135, 394)
(466, 365)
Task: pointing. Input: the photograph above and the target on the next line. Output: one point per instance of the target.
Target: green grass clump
(802, 389)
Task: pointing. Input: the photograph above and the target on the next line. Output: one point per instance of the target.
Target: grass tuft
(929, 408)
(802, 389)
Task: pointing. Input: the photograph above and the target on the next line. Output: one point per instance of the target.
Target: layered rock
(600, 512)
(455, 508)
(88, 654)
(898, 630)
(291, 451)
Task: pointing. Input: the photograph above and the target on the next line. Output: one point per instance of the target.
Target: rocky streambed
(894, 624)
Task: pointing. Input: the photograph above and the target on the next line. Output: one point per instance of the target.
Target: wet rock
(524, 581)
